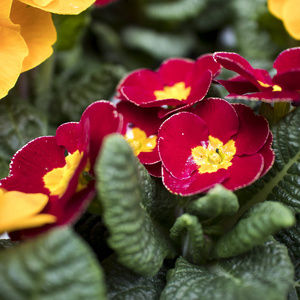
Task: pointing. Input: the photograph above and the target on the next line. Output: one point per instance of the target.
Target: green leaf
(124, 284)
(19, 123)
(158, 202)
(264, 273)
(282, 183)
(139, 244)
(187, 232)
(254, 228)
(159, 45)
(178, 10)
(217, 203)
(56, 265)
(7, 243)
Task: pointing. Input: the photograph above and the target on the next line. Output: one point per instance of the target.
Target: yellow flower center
(57, 180)
(139, 141)
(275, 87)
(177, 91)
(214, 156)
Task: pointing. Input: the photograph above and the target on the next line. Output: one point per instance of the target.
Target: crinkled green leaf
(56, 265)
(125, 284)
(178, 10)
(254, 228)
(265, 273)
(7, 243)
(187, 232)
(139, 244)
(282, 183)
(217, 203)
(158, 202)
(19, 123)
(159, 45)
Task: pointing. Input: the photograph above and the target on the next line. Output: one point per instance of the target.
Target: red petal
(288, 80)
(244, 171)
(31, 163)
(177, 136)
(238, 64)
(287, 60)
(98, 120)
(203, 63)
(270, 97)
(144, 79)
(154, 169)
(197, 183)
(176, 70)
(68, 135)
(219, 116)
(268, 155)
(238, 85)
(253, 131)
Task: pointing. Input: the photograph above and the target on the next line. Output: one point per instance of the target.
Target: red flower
(257, 84)
(140, 129)
(42, 167)
(103, 2)
(214, 143)
(178, 84)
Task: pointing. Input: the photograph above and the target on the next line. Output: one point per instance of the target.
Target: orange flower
(70, 7)
(27, 35)
(288, 12)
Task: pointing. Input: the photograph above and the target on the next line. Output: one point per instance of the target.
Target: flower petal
(154, 169)
(71, 7)
(31, 163)
(238, 64)
(203, 63)
(244, 171)
(288, 81)
(38, 31)
(268, 154)
(176, 70)
(276, 7)
(19, 210)
(268, 96)
(291, 18)
(12, 53)
(287, 60)
(253, 131)
(177, 136)
(196, 184)
(219, 116)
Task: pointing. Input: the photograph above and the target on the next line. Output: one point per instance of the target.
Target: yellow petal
(291, 18)
(38, 31)
(13, 50)
(64, 7)
(276, 7)
(19, 210)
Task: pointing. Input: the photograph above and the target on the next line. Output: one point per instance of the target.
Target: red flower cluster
(191, 142)
(257, 84)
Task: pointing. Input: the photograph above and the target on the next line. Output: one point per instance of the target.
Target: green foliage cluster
(138, 241)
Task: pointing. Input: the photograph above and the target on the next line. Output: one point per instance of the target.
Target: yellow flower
(20, 210)
(65, 7)
(27, 35)
(288, 12)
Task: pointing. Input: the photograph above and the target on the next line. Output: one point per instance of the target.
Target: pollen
(213, 155)
(177, 91)
(139, 141)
